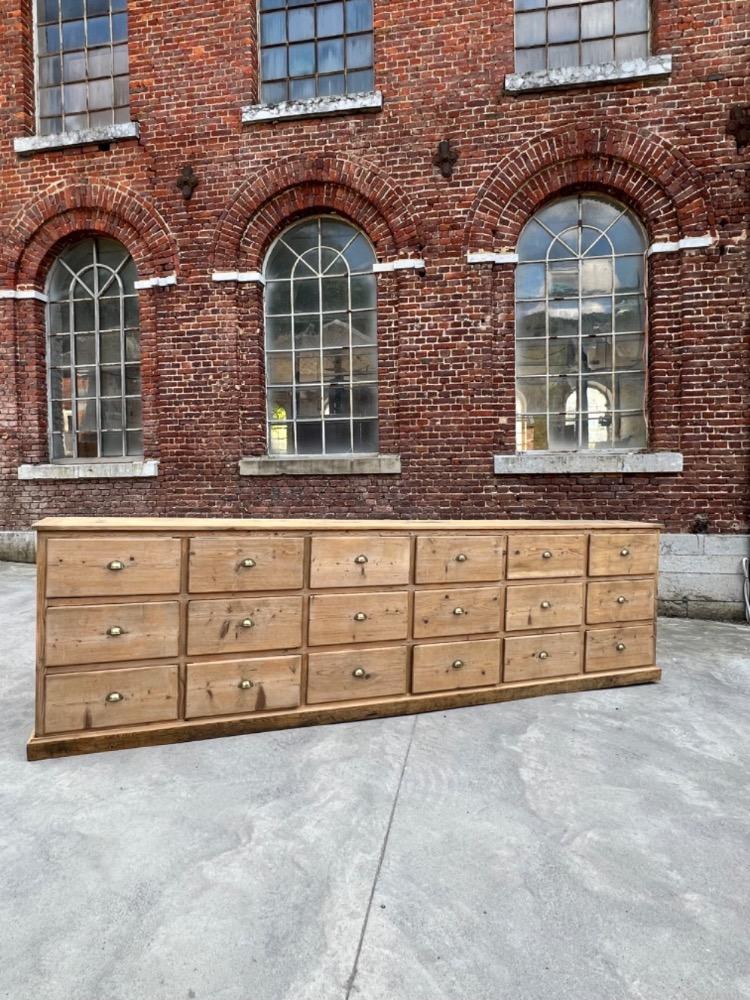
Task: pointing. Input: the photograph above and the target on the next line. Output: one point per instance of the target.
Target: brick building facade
(658, 128)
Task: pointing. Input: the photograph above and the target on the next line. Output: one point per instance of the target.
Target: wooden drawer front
(238, 687)
(361, 673)
(627, 553)
(112, 566)
(619, 648)
(246, 563)
(99, 699)
(109, 633)
(447, 666)
(337, 618)
(620, 601)
(530, 657)
(241, 626)
(457, 612)
(552, 554)
(360, 561)
(543, 605)
(460, 558)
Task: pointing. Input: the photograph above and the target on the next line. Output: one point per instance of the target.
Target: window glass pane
(530, 281)
(273, 62)
(596, 277)
(301, 24)
(330, 19)
(562, 25)
(631, 47)
(331, 55)
(595, 53)
(597, 20)
(358, 15)
(272, 29)
(630, 430)
(531, 29)
(631, 15)
(359, 51)
(302, 59)
(302, 88)
(528, 60)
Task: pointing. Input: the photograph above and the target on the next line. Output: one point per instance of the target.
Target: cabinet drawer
(108, 633)
(449, 666)
(337, 618)
(460, 558)
(112, 566)
(624, 553)
(238, 687)
(246, 563)
(530, 657)
(359, 561)
(457, 612)
(620, 601)
(620, 648)
(103, 698)
(543, 605)
(551, 554)
(244, 625)
(361, 673)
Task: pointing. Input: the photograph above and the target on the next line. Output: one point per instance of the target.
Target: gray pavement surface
(579, 847)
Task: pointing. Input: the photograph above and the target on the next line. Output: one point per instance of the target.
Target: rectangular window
(553, 34)
(315, 49)
(82, 64)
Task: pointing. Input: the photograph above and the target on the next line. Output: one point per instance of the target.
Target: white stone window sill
(550, 463)
(583, 76)
(324, 465)
(83, 137)
(146, 468)
(315, 107)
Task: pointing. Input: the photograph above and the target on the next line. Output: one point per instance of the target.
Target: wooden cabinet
(153, 631)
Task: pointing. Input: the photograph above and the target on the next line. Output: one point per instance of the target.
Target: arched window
(580, 328)
(93, 353)
(321, 341)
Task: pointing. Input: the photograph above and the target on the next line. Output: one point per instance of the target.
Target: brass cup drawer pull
(620, 647)
(546, 554)
(113, 697)
(115, 631)
(459, 611)
(360, 560)
(116, 565)
(544, 655)
(546, 605)
(245, 685)
(622, 600)
(360, 673)
(461, 557)
(624, 553)
(247, 623)
(457, 664)
(360, 617)
(248, 564)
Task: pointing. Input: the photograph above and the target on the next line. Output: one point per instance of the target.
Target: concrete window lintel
(577, 463)
(582, 76)
(326, 465)
(315, 107)
(148, 468)
(82, 137)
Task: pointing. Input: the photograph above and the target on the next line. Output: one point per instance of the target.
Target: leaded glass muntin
(554, 34)
(93, 354)
(320, 318)
(315, 48)
(581, 327)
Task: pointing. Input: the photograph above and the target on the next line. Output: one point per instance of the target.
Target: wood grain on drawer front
(543, 605)
(237, 687)
(530, 657)
(551, 554)
(620, 648)
(460, 558)
(337, 618)
(620, 601)
(626, 553)
(449, 666)
(103, 698)
(245, 563)
(242, 625)
(359, 673)
(111, 566)
(459, 611)
(109, 633)
(360, 561)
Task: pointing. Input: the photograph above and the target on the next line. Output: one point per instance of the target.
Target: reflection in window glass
(321, 341)
(580, 328)
(315, 48)
(552, 34)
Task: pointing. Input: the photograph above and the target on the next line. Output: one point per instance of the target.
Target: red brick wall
(447, 337)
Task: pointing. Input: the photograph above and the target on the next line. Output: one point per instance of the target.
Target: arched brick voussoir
(265, 204)
(659, 183)
(29, 244)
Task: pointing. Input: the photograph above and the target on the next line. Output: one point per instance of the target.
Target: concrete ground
(578, 847)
